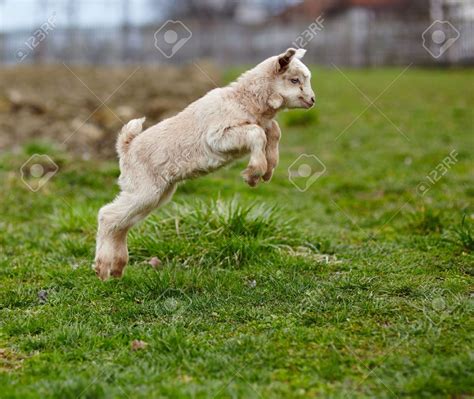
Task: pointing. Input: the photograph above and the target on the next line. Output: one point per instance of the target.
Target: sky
(29, 14)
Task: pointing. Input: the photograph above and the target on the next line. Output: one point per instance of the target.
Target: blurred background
(75, 71)
(347, 32)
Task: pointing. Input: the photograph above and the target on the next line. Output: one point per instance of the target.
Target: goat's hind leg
(115, 219)
(113, 223)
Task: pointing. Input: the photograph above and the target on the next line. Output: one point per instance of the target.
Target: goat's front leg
(251, 138)
(273, 134)
(258, 162)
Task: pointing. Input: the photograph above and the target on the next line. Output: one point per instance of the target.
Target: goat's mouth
(308, 104)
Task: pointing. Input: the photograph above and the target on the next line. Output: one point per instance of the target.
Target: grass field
(358, 286)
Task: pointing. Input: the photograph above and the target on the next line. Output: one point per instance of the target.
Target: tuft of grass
(40, 147)
(300, 118)
(220, 234)
(426, 221)
(462, 235)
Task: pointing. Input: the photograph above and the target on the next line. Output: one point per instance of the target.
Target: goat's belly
(209, 163)
(215, 161)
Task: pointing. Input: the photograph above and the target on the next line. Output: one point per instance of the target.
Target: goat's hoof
(252, 181)
(106, 269)
(268, 175)
(101, 270)
(252, 175)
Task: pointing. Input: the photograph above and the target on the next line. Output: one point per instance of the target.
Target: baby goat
(218, 128)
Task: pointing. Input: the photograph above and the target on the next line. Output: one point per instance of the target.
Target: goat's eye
(294, 81)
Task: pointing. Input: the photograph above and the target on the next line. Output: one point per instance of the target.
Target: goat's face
(292, 82)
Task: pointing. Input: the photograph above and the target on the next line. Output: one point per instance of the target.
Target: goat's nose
(313, 99)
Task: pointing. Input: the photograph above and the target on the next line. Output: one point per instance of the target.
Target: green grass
(357, 287)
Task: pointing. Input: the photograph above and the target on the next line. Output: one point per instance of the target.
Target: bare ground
(80, 109)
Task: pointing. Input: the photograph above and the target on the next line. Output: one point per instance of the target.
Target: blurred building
(388, 32)
(344, 32)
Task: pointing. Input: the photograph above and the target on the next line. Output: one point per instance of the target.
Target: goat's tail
(128, 133)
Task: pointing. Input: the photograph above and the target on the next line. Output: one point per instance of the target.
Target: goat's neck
(254, 97)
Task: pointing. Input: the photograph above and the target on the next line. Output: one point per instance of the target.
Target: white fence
(357, 37)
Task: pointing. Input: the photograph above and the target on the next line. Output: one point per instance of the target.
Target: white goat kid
(218, 128)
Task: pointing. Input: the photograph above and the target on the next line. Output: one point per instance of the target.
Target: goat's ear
(300, 53)
(284, 59)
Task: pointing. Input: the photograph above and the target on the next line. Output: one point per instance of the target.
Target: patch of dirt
(138, 345)
(307, 253)
(50, 103)
(9, 360)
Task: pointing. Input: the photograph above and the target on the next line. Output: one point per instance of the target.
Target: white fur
(300, 53)
(225, 124)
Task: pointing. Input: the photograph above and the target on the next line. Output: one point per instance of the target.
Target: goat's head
(291, 81)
